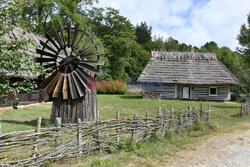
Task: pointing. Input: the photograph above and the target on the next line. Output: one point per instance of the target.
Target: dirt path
(227, 150)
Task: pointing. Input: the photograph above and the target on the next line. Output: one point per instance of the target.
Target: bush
(111, 86)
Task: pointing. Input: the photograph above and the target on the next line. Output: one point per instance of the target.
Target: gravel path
(229, 150)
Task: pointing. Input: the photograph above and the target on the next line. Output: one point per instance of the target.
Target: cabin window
(213, 91)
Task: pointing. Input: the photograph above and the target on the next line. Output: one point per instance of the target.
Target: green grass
(224, 118)
(128, 105)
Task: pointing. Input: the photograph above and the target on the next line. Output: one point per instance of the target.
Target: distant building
(186, 75)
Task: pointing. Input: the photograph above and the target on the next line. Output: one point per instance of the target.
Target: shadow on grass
(45, 122)
(131, 97)
(224, 106)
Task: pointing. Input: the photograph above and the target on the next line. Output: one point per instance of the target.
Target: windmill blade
(92, 46)
(41, 59)
(45, 82)
(72, 87)
(52, 41)
(57, 37)
(78, 88)
(90, 68)
(50, 65)
(52, 83)
(48, 47)
(69, 33)
(75, 34)
(39, 51)
(93, 54)
(65, 87)
(92, 63)
(58, 87)
(81, 78)
(62, 34)
(89, 38)
(84, 31)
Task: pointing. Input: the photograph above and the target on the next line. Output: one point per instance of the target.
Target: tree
(143, 33)
(244, 40)
(41, 14)
(13, 57)
(125, 58)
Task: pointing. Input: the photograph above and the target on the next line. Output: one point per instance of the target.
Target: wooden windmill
(72, 57)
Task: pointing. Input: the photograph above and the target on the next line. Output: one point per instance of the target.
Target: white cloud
(189, 22)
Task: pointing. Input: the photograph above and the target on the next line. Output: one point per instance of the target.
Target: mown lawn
(128, 105)
(224, 118)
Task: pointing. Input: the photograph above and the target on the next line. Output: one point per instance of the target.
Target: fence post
(98, 137)
(58, 132)
(134, 131)
(117, 131)
(158, 122)
(79, 136)
(164, 122)
(38, 130)
(0, 131)
(242, 109)
(170, 119)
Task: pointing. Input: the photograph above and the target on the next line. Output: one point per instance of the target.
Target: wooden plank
(65, 87)
(52, 83)
(50, 65)
(58, 86)
(89, 38)
(42, 59)
(93, 54)
(57, 37)
(90, 47)
(45, 82)
(81, 78)
(48, 47)
(75, 34)
(42, 52)
(84, 31)
(72, 87)
(92, 63)
(63, 38)
(78, 87)
(90, 68)
(52, 41)
(69, 33)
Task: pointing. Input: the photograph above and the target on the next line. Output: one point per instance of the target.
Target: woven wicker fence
(33, 147)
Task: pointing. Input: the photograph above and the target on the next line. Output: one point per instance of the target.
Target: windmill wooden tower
(72, 58)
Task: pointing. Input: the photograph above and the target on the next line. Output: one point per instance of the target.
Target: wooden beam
(52, 83)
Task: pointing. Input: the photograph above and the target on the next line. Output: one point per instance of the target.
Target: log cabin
(186, 75)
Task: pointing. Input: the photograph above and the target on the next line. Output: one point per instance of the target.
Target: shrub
(111, 86)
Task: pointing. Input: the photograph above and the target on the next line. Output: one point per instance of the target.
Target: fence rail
(33, 147)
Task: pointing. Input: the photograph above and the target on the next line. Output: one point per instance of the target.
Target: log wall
(174, 91)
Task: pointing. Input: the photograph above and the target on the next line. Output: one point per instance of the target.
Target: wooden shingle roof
(186, 68)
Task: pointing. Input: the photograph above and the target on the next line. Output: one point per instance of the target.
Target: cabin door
(185, 92)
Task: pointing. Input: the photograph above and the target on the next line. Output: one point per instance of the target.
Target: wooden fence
(33, 147)
(245, 107)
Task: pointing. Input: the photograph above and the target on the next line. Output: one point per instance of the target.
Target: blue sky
(192, 22)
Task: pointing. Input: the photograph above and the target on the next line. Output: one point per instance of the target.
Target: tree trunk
(70, 110)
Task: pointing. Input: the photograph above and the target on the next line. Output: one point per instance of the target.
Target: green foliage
(14, 61)
(143, 33)
(244, 40)
(125, 57)
(112, 149)
(127, 145)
